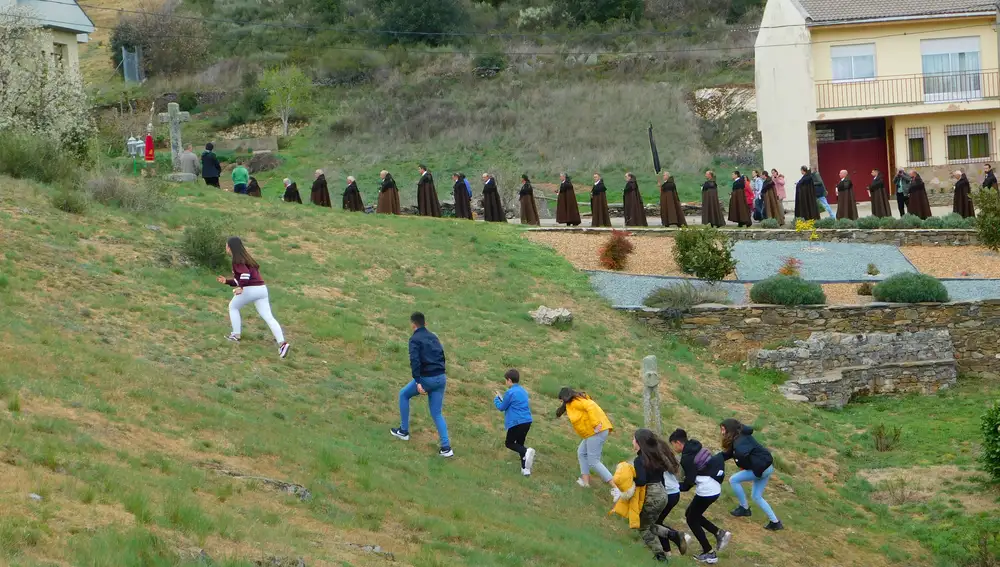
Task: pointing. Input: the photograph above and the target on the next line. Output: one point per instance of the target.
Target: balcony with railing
(907, 90)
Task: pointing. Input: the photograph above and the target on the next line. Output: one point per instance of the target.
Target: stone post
(651, 395)
(173, 116)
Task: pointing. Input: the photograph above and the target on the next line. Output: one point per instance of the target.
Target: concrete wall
(732, 332)
(786, 103)
(936, 172)
(72, 48)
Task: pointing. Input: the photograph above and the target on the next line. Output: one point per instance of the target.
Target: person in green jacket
(241, 177)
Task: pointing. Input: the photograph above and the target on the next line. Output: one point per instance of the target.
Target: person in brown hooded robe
(879, 196)
(739, 212)
(529, 209)
(492, 207)
(711, 209)
(671, 212)
(388, 195)
(567, 209)
(253, 188)
(291, 192)
(352, 197)
(463, 201)
(847, 204)
(635, 211)
(919, 205)
(963, 198)
(320, 192)
(805, 196)
(769, 194)
(427, 197)
(599, 213)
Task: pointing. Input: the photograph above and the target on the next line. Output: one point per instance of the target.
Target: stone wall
(732, 331)
(896, 237)
(823, 352)
(837, 388)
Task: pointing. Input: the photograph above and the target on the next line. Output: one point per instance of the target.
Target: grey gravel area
(969, 290)
(822, 262)
(626, 290)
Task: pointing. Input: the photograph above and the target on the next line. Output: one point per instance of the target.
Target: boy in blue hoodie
(516, 419)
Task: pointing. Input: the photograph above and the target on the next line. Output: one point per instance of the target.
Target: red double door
(859, 146)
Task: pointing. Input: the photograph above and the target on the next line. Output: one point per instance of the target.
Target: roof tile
(829, 11)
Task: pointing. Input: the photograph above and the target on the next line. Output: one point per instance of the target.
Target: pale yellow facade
(798, 92)
(64, 46)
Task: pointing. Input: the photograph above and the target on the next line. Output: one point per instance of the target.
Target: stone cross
(651, 395)
(174, 117)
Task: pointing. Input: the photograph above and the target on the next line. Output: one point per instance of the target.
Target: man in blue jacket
(516, 419)
(427, 368)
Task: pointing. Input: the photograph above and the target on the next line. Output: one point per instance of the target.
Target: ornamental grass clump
(615, 252)
(910, 287)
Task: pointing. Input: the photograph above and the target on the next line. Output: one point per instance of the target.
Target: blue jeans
(826, 205)
(756, 492)
(240, 188)
(434, 386)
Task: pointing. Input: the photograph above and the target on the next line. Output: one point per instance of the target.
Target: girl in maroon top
(250, 288)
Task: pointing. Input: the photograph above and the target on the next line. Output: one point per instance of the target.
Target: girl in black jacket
(756, 466)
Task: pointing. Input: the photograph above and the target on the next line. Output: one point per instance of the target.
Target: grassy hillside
(122, 399)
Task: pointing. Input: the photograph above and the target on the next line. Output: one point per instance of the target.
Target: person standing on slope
(250, 288)
(427, 366)
(516, 418)
(756, 466)
(704, 472)
(592, 424)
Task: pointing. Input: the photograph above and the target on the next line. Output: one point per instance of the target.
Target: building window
(951, 69)
(59, 54)
(853, 62)
(968, 142)
(918, 145)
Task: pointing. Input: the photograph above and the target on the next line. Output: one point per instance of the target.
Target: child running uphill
(756, 466)
(704, 472)
(592, 424)
(516, 419)
(645, 494)
(250, 288)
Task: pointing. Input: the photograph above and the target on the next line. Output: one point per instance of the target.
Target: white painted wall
(786, 100)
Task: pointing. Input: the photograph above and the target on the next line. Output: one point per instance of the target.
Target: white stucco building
(65, 21)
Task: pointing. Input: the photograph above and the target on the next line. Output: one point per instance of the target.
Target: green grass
(130, 398)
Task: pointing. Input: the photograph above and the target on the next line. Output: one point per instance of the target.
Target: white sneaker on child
(526, 472)
(580, 482)
(529, 459)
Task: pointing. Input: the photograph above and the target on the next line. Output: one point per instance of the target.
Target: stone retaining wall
(896, 237)
(835, 389)
(732, 331)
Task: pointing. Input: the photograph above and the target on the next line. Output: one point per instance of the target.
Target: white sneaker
(283, 350)
(580, 482)
(529, 459)
(526, 472)
(233, 337)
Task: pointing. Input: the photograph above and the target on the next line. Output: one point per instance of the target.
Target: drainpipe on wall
(996, 28)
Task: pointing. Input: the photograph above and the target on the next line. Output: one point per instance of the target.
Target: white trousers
(257, 295)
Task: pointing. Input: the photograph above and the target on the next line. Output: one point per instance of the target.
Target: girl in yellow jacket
(593, 425)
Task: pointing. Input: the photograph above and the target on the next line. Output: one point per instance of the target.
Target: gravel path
(969, 290)
(827, 262)
(652, 255)
(625, 290)
(954, 261)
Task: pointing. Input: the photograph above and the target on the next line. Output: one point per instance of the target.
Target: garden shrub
(204, 244)
(873, 270)
(933, 222)
(990, 455)
(787, 290)
(887, 222)
(70, 201)
(988, 222)
(826, 222)
(685, 295)
(910, 221)
(846, 223)
(769, 223)
(886, 438)
(616, 249)
(705, 252)
(791, 267)
(868, 223)
(955, 221)
(865, 288)
(910, 287)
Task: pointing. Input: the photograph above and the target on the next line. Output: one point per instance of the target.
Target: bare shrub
(899, 490)
(886, 438)
(115, 191)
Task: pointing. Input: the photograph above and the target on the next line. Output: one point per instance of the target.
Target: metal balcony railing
(907, 90)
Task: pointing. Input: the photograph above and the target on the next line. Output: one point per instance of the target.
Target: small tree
(288, 90)
(988, 220)
(991, 442)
